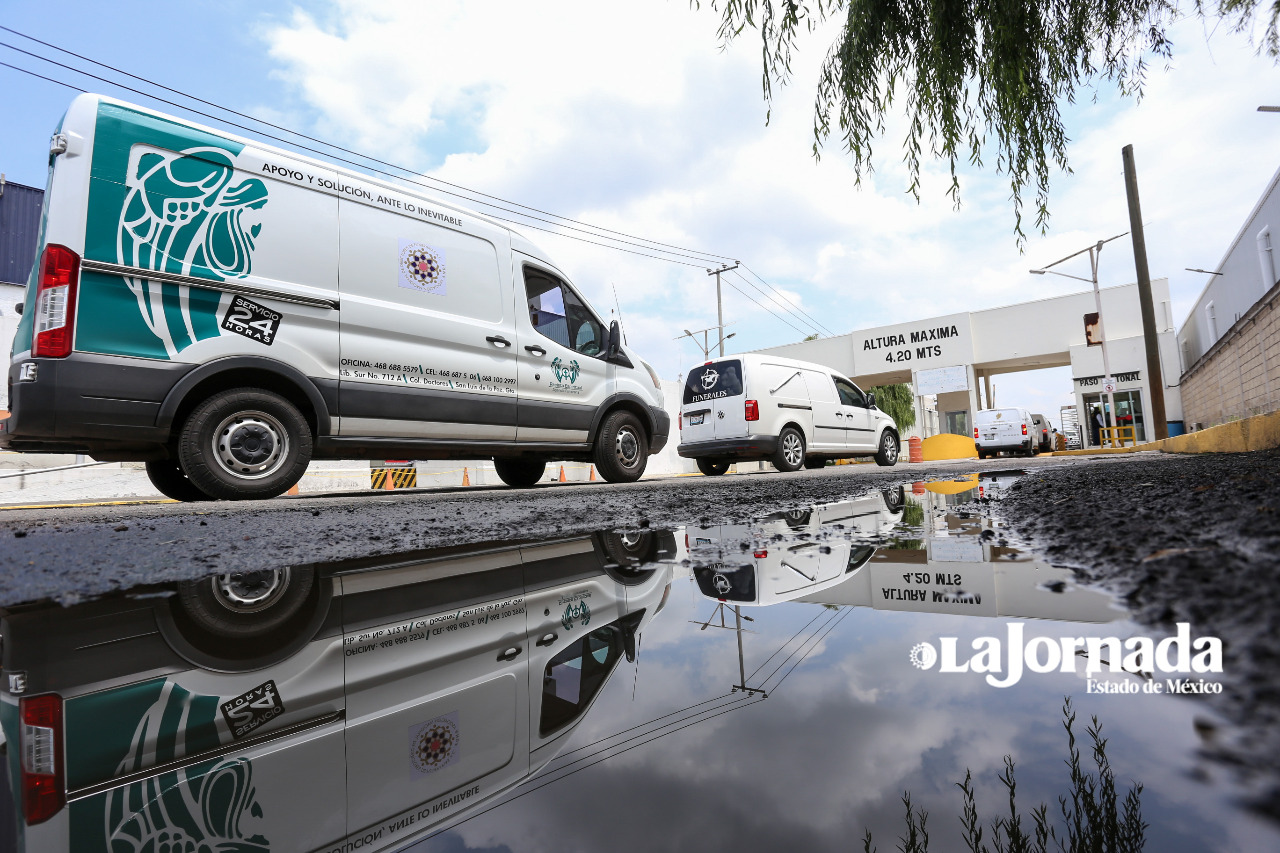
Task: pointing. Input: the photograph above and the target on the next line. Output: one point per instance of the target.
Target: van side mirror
(614, 354)
(871, 401)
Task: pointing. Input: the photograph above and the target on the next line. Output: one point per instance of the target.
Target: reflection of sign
(433, 745)
(941, 380)
(251, 710)
(959, 549)
(721, 583)
(1093, 329)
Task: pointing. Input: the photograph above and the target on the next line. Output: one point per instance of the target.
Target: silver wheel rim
(792, 449)
(250, 445)
(627, 447)
(890, 447)
(250, 592)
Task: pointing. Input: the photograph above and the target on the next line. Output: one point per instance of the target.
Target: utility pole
(1155, 376)
(720, 303)
(704, 345)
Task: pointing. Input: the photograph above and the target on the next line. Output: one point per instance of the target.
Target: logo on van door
(184, 213)
(565, 372)
(422, 268)
(709, 379)
(433, 745)
(250, 710)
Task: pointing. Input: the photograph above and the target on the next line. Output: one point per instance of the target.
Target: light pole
(1094, 252)
(719, 304)
(704, 345)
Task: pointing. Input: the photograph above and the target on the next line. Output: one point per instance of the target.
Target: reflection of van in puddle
(791, 559)
(414, 688)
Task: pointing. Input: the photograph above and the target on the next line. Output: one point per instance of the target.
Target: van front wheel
(888, 454)
(172, 482)
(622, 451)
(245, 443)
(790, 453)
(520, 473)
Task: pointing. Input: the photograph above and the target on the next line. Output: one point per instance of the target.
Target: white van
(227, 312)
(790, 412)
(1005, 431)
(389, 698)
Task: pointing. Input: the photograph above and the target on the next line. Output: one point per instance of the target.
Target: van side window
(557, 313)
(573, 677)
(849, 393)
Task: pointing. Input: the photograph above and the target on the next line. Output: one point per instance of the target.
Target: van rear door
(713, 396)
(1000, 427)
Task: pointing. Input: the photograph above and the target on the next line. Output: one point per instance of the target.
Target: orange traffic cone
(593, 473)
(466, 478)
(390, 483)
(562, 477)
(293, 490)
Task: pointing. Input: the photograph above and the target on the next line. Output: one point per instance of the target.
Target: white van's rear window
(713, 381)
(988, 416)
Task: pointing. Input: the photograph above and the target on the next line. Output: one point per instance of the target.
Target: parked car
(793, 413)
(1044, 432)
(1005, 431)
(226, 312)
(354, 706)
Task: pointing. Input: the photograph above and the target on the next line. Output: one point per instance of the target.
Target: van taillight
(753, 410)
(1024, 429)
(56, 302)
(760, 555)
(43, 791)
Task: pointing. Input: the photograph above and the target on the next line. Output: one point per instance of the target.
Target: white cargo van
(1005, 431)
(790, 412)
(227, 312)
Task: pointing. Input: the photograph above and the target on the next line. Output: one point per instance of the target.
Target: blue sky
(630, 116)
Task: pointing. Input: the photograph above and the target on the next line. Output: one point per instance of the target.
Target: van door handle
(498, 341)
(547, 639)
(509, 654)
(536, 350)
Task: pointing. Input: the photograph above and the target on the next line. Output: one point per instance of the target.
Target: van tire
(172, 482)
(264, 422)
(887, 455)
(245, 606)
(520, 472)
(622, 449)
(790, 453)
(713, 467)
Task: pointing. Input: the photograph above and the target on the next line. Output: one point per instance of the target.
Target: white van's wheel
(520, 473)
(790, 453)
(888, 454)
(245, 443)
(712, 467)
(621, 451)
(172, 482)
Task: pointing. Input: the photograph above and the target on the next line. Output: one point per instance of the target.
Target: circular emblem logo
(721, 583)
(422, 266)
(923, 655)
(709, 379)
(435, 746)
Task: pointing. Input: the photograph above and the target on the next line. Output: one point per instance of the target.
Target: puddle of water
(749, 687)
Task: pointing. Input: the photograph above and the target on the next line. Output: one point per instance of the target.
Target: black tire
(790, 453)
(887, 455)
(894, 499)
(712, 467)
(814, 464)
(168, 476)
(982, 454)
(245, 605)
(520, 472)
(630, 551)
(622, 448)
(245, 443)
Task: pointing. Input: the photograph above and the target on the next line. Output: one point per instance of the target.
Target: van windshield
(988, 416)
(713, 381)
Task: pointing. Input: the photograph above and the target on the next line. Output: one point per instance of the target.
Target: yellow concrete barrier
(947, 446)
(953, 487)
(1260, 432)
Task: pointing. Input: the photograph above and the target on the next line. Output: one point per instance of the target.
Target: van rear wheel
(520, 473)
(888, 453)
(713, 467)
(172, 482)
(790, 453)
(245, 443)
(622, 450)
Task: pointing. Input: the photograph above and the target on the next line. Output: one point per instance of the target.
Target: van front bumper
(749, 447)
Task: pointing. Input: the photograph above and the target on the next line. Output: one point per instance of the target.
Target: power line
(765, 307)
(783, 295)
(685, 252)
(804, 320)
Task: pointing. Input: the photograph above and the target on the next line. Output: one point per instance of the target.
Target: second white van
(1005, 431)
(793, 413)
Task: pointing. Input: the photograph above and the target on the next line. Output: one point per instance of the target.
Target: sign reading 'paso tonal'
(924, 344)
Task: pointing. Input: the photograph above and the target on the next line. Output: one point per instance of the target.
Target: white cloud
(628, 115)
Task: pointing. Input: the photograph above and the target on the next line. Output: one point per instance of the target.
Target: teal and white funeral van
(227, 312)
(355, 706)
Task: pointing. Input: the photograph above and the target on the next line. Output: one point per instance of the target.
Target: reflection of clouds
(830, 752)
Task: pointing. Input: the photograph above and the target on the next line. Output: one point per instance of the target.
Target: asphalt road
(67, 553)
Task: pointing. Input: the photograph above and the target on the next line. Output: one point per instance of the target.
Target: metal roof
(19, 229)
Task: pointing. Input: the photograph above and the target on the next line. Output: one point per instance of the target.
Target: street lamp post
(1095, 251)
(704, 345)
